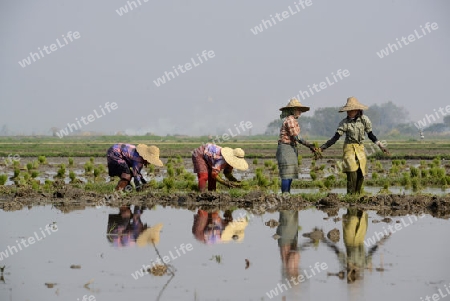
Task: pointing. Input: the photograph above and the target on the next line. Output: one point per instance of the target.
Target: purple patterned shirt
(127, 153)
(214, 158)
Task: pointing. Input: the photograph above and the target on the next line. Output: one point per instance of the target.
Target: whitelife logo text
(53, 47)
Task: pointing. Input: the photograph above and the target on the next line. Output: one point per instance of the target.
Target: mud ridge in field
(256, 202)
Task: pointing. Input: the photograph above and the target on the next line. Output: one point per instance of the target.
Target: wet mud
(257, 202)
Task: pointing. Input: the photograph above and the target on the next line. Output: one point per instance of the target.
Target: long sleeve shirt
(213, 156)
(128, 153)
(289, 130)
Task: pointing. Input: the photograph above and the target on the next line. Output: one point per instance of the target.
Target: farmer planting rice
(126, 161)
(209, 159)
(355, 125)
(287, 152)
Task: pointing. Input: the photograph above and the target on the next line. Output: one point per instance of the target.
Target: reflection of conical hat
(149, 153)
(234, 229)
(235, 157)
(149, 236)
(353, 104)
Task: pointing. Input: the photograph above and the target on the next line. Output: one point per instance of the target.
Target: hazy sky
(118, 58)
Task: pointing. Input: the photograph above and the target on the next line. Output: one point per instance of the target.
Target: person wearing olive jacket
(354, 126)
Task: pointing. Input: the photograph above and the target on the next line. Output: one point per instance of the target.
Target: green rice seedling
(255, 161)
(92, 160)
(322, 167)
(72, 176)
(179, 160)
(437, 161)
(34, 174)
(414, 172)
(440, 173)
(329, 181)
(169, 183)
(379, 167)
(268, 163)
(35, 164)
(403, 161)
(35, 185)
(153, 184)
(424, 173)
(192, 186)
(16, 172)
(313, 175)
(189, 176)
(433, 172)
(261, 180)
(96, 172)
(179, 170)
(274, 168)
(405, 180)
(101, 168)
(169, 160)
(16, 164)
(29, 166)
(42, 160)
(394, 170)
(395, 162)
(3, 179)
(151, 168)
(299, 160)
(313, 164)
(274, 184)
(88, 167)
(415, 184)
(443, 181)
(61, 171)
(170, 171)
(375, 176)
(70, 161)
(236, 193)
(26, 176)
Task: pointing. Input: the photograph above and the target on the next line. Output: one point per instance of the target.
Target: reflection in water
(287, 242)
(125, 227)
(210, 228)
(354, 260)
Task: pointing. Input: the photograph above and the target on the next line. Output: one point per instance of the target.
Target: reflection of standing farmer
(288, 231)
(209, 159)
(123, 157)
(287, 153)
(355, 125)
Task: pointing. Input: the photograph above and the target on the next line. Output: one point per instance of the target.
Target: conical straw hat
(353, 104)
(235, 157)
(150, 154)
(294, 103)
(149, 236)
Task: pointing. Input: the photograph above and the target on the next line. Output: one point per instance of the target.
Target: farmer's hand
(383, 148)
(224, 182)
(230, 177)
(311, 147)
(317, 151)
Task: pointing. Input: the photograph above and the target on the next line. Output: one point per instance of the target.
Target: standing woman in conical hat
(287, 153)
(355, 125)
(126, 161)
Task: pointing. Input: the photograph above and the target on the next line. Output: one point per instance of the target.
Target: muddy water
(244, 263)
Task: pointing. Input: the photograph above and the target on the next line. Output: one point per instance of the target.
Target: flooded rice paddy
(102, 254)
